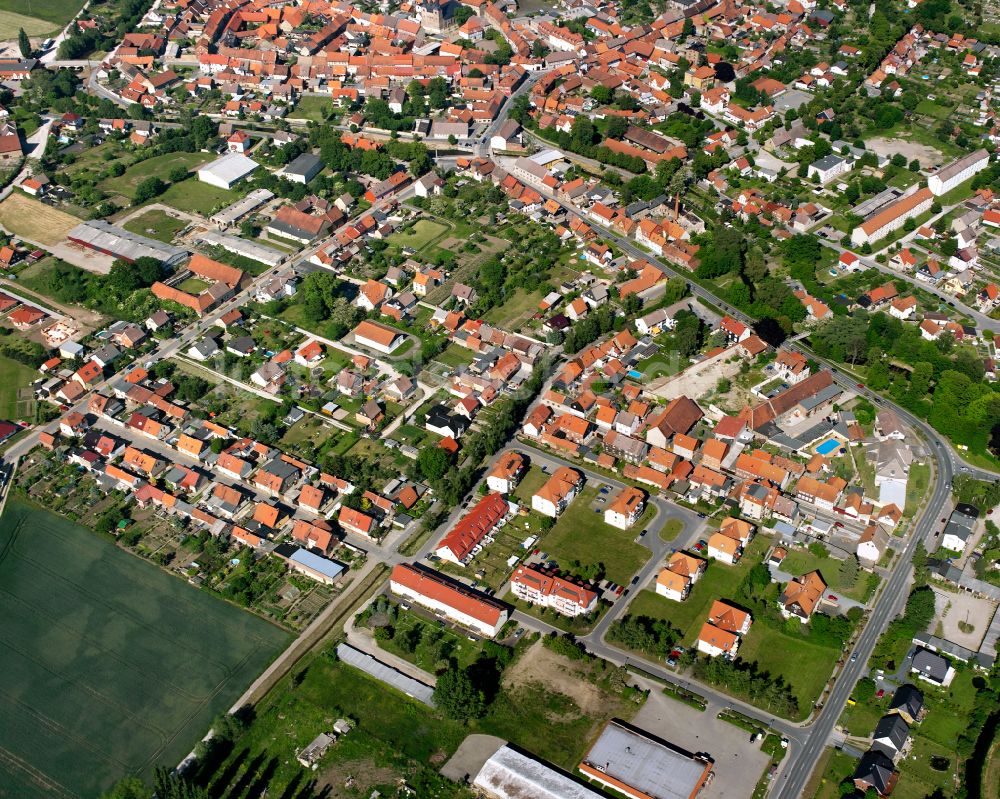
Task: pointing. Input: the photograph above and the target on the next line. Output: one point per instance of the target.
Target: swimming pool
(634, 374)
(828, 446)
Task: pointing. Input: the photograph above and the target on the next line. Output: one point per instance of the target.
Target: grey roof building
(303, 169)
(890, 734)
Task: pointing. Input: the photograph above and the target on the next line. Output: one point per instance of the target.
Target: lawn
(581, 534)
(917, 777)
(111, 666)
(831, 770)
(196, 197)
(311, 108)
(515, 310)
(929, 108)
(15, 376)
(33, 220)
(422, 233)
(799, 561)
(671, 529)
(158, 166)
(719, 581)
(805, 666)
(530, 483)
(157, 225)
(193, 285)
(455, 355)
(916, 486)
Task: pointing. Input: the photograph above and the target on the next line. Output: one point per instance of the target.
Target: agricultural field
(158, 166)
(37, 17)
(16, 397)
(111, 665)
(157, 225)
(35, 221)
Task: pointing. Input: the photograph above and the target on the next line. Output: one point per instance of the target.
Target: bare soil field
(34, 220)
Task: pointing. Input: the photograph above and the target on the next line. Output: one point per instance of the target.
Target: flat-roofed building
(117, 242)
(638, 765)
(226, 172)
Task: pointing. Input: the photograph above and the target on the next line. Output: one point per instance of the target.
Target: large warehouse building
(632, 763)
(227, 171)
(508, 774)
(117, 242)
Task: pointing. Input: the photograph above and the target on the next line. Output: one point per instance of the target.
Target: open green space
(916, 486)
(11, 23)
(930, 108)
(804, 666)
(420, 234)
(156, 224)
(193, 285)
(15, 378)
(158, 166)
(395, 737)
(719, 581)
(200, 198)
(58, 11)
(832, 769)
(515, 310)
(111, 666)
(434, 644)
(455, 355)
(800, 561)
(311, 108)
(580, 534)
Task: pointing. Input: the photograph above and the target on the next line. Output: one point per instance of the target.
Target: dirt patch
(925, 154)
(544, 667)
(34, 220)
(962, 618)
(355, 775)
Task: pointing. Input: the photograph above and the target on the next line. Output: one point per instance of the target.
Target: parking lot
(738, 763)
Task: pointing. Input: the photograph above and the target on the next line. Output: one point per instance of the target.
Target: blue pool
(634, 374)
(828, 446)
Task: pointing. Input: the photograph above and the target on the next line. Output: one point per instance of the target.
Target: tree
(848, 571)
(24, 44)
(148, 189)
(433, 462)
(457, 697)
(914, 165)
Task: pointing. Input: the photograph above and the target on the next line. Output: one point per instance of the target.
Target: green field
(158, 166)
(199, 198)
(111, 666)
(11, 23)
(57, 11)
(581, 534)
(312, 108)
(193, 285)
(157, 225)
(420, 235)
(15, 376)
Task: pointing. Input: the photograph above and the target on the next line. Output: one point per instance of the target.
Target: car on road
(832, 597)
(701, 516)
(643, 533)
(860, 385)
(854, 657)
(634, 580)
